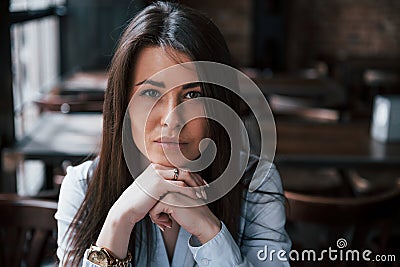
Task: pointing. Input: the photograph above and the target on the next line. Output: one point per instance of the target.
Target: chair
(381, 81)
(369, 181)
(313, 181)
(26, 226)
(376, 82)
(365, 222)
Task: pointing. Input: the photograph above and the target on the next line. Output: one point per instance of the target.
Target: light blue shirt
(263, 220)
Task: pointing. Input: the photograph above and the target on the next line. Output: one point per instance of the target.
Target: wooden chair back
(366, 215)
(342, 210)
(25, 227)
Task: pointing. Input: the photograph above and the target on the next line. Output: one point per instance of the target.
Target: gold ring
(176, 173)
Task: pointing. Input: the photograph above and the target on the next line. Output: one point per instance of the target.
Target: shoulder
(72, 193)
(261, 175)
(77, 174)
(263, 208)
(73, 188)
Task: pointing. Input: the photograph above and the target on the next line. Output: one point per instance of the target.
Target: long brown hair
(164, 25)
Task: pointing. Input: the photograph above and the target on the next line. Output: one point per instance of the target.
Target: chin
(162, 160)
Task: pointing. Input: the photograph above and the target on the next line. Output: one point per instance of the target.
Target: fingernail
(160, 228)
(203, 192)
(198, 195)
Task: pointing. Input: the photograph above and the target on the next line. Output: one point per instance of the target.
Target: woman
(109, 215)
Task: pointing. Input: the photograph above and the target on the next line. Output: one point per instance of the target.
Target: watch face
(99, 258)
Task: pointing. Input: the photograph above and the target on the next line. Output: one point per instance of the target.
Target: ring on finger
(176, 173)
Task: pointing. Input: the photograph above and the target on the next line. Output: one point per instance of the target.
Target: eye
(150, 93)
(193, 94)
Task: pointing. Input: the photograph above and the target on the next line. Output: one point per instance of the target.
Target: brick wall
(234, 19)
(315, 29)
(339, 29)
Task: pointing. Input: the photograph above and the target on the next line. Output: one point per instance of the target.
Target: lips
(169, 140)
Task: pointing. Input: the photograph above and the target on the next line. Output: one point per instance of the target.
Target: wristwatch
(102, 257)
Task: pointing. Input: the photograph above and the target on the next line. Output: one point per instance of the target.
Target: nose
(170, 118)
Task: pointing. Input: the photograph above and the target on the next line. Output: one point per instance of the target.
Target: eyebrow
(162, 84)
(155, 83)
(190, 85)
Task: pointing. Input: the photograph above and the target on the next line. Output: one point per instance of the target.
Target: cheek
(139, 120)
(198, 129)
(137, 129)
(197, 122)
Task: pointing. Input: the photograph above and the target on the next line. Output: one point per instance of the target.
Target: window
(24, 5)
(35, 65)
(35, 60)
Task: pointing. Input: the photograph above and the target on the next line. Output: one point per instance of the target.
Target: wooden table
(57, 137)
(74, 137)
(332, 145)
(80, 92)
(325, 92)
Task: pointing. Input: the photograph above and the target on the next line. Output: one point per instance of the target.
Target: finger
(203, 183)
(163, 217)
(182, 176)
(157, 187)
(159, 167)
(159, 211)
(188, 178)
(182, 188)
(160, 225)
(163, 220)
(199, 179)
(172, 198)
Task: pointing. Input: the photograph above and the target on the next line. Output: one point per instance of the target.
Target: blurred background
(330, 71)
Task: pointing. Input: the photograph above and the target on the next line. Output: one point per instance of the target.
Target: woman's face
(158, 133)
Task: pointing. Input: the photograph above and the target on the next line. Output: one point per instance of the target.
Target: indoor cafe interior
(328, 71)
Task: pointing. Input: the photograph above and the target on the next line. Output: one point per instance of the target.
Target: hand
(199, 221)
(153, 184)
(184, 179)
(136, 201)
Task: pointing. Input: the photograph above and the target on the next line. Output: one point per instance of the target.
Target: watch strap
(111, 259)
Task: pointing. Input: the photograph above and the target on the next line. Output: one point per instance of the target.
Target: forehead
(158, 64)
